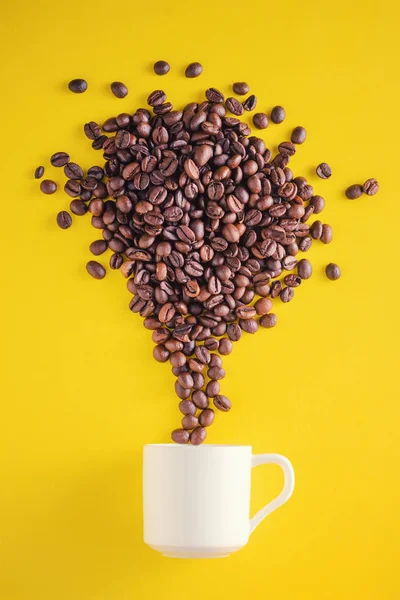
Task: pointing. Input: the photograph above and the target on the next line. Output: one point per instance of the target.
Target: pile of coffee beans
(203, 222)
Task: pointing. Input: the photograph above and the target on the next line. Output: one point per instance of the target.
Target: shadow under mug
(196, 499)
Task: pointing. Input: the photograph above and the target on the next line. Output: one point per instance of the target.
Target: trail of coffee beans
(202, 220)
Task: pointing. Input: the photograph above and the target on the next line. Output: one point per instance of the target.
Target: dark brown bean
(278, 114)
(64, 220)
(287, 294)
(161, 67)
(240, 88)
(299, 135)
(119, 89)
(180, 436)
(78, 86)
(371, 187)
(59, 159)
(98, 247)
(234, 106)
(194, 70)
(304, 268)
(268, 320)
(354, 191)
(327, 234)
(47, 186)
(260, 120)
(39, 171)
(332, 271)
(222, 403)
(198, 436)
(95, 269)
(318, 203)
(206, 417)
(250, 103)
(324, 171)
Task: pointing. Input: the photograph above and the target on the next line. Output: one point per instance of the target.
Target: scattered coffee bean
(299, 135)
(260, 120)
(39, 171)
(190, 422)
(119, 89)
(304, 268)
(59, 159)
(78, 86)
(98, 247)
(92, 130)
(240, 88)
(116, 261)
(278, 114)
(214, 95)
(316, 230)
(95, 269)
(287, 294)
(198, 436)
(47, 186)
(250, 103)
(263, 306)
(327, 234)
(371, 187)
(180, 436)
(78, 207)
(64, 220)
(194, 70)
(207, 417)
(354, 191)
(222, 403)
(234, 106)
(156, 98)
(225, 346)
(161, 67)
(73, 171)
(268, 321)
(332, 271)
(324, 171)
(318, 203)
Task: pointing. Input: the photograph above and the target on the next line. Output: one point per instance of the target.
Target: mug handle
(288, 486)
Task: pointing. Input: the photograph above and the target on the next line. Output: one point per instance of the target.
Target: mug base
(181, 552)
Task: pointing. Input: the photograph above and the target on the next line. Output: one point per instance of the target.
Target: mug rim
(187, 446)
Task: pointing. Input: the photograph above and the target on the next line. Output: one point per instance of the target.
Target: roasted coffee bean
(278, 114)
(116, 261)
(78, 86)
(73, 171)
(316, 230)
(119, 89)
(180, 436)
(371, 187)
(72, 188)
(263, 306)
(287, 294)
(203, 354)
(260, 120)
(332, 271)
(206, 417)
(214, 95)
(304, 268)
(64, 220)
(234, 106)
(318, 203)
(98, 247)
(292, 280)
(324, 171)
(354, 191)
(59, 159)
(78, 207)
(212, 388)
(95, 269)
(222, 403)
(327, 234)
(187, 407)
(248, 325)
(156, 98)
(299, 135)
(92, 131)
(240, 88)
(216, 373)
(234, 332)
(200, 399)
(161, 67)
(198, 436)
(305, 244)
(47, 186)
(190, 422)
(225, 346)
(160, 353)
(194, 70)
(39, 171)
(249, 104)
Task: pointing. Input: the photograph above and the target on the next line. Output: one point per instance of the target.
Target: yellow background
(80, 391)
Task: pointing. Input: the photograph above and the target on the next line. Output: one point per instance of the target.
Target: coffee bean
(304, 268)
(119, 89)
(327, 234)
(268, 320)
(59, 159)
(187, 407)
(263, 306)
(299, 135)
(39, 171)
(260, 120)
(198, 436)
(95, 269)
(250, 103)
(116, 261)
(324, 171)
(92, 130)
(222, 403)
(287, 294)
(78, 86)
(47, 186)
(161, 67)
(248, 325)
(305, 244)
(316, 230)
(194, 70)
(200, 399)
(354, 191)
(214, 95)
(73, 171)
(98, 247)
(206, 417)
(216, 373)
(156, 98)
(318, 203)
(78, 207)
(72, 188)
(160, 352)
(240, 88)
(234, 332)
(287, 149)
(371, 187)
(190, 422)
(64, 220)
(180, 436)
(225, 346)
(332, 271)
(278, 114)
(234, 106)
(292, 280)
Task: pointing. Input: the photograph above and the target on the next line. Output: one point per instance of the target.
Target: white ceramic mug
(196, 499)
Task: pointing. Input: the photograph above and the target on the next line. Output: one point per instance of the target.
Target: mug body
(196, 499)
